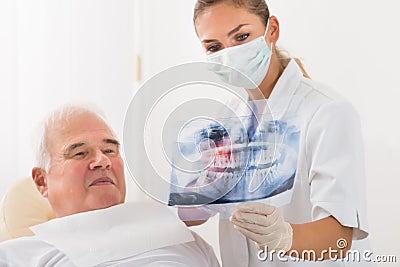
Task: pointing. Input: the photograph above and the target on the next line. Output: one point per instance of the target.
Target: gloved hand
(264, 225)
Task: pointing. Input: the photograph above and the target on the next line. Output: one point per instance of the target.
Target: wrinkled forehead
(86, 127)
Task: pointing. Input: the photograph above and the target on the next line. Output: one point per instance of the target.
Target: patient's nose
(100, 161)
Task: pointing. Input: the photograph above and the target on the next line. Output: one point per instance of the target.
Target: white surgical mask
(251, 59)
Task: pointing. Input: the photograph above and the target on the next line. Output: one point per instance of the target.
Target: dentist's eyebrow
(236, 29)
(207, 41)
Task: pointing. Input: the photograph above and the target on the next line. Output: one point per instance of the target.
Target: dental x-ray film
(235, 160)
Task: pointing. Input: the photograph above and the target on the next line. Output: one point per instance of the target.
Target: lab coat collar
(118, 232)
(284, 89)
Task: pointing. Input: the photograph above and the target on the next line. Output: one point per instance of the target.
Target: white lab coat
(330, 172)
(132, 234)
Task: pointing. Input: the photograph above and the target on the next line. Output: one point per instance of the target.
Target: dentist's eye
(213, 48)
(242, 37)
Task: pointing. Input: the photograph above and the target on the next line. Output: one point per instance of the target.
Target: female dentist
(327, 208)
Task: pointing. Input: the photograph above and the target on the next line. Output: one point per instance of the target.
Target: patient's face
(86, 169)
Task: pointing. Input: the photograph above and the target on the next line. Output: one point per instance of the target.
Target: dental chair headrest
(22, 207)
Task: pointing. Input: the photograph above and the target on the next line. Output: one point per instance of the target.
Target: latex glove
(264, 225)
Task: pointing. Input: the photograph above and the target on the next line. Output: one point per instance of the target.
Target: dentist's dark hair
(257, 7)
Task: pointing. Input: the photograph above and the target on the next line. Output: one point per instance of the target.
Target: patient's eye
(76, 150)
(111, 149)
(80, 154)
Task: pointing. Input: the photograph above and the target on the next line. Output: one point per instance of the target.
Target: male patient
(81, 173)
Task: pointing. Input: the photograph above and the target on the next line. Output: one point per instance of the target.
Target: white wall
(8, 93)
(54, 52)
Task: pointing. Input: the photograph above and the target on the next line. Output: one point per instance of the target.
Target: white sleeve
(336, 166)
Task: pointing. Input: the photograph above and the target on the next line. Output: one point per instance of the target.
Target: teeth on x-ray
(241, 168)
(231, 160)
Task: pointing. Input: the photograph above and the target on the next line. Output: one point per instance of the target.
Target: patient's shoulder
(30, 251)
(23, 242)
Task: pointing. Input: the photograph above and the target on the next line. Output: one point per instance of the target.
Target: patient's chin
(105, 200)
(94, 199)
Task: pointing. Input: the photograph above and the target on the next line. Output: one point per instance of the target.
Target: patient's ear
(40, 178)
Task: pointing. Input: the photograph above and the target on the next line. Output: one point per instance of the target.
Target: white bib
(118, 232)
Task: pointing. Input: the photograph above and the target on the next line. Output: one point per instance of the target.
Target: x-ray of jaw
(235, 160)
